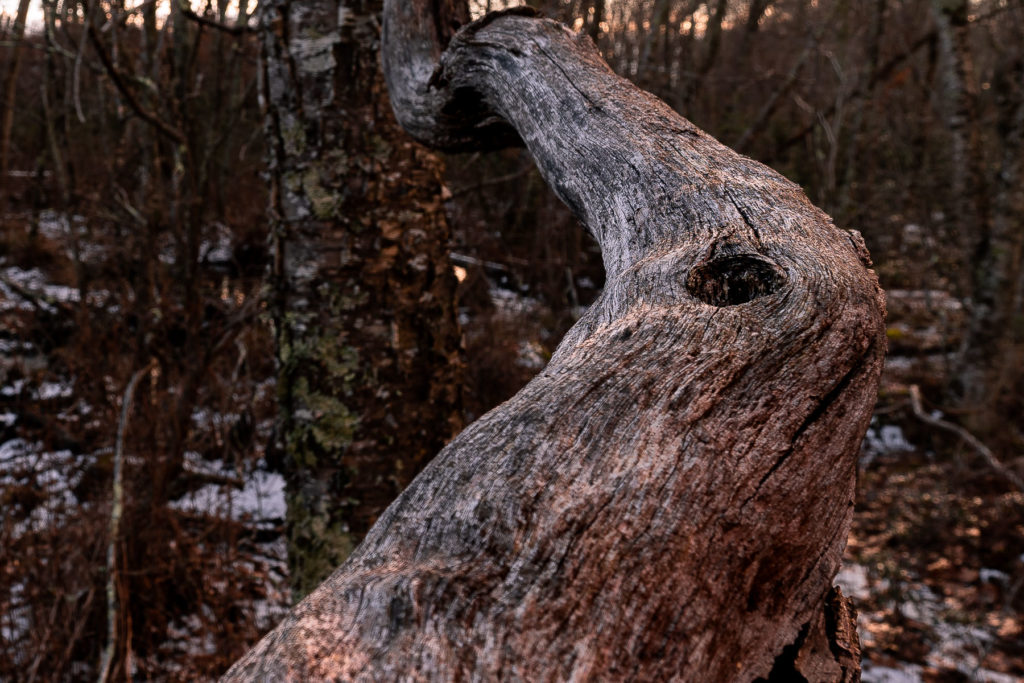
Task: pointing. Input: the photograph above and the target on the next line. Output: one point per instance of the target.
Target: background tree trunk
(368, 344)
(11, 80)
(985, 213)
(670, 497)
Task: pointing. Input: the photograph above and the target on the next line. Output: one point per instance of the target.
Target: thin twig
(972, 441)
(115, 523)
(523, 172)
(77, 78)
(239, 29)
(115, 76)
(768, 108)
(76, 633)
(899, 405)
(877, 77)
(34, 671)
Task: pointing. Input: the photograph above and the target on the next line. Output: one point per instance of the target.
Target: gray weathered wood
(670, 497)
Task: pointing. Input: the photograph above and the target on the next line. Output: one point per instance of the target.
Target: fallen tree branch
(981, 449)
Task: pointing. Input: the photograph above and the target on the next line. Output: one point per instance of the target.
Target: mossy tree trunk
(669, 498)
(363, 296)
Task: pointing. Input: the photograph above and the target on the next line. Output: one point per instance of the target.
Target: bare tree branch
(239, 29)
(164, 128)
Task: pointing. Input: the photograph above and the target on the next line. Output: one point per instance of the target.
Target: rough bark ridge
(670, 497)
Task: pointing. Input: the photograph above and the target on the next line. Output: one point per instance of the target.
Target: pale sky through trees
(9, 9)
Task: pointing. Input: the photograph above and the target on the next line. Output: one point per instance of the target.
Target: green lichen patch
(324, 201)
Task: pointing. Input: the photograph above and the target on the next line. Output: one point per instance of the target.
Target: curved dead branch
(670, 496)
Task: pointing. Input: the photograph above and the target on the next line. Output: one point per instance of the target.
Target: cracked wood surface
(670, 497)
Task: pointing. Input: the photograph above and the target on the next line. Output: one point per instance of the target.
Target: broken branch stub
(671, 495)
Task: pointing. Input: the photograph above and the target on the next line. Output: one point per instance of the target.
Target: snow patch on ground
(956, 646)
(531, 355)
(883, 440)
(51, 475)
(512, 303)
(62, 228)
(959, 645)
(13, 389)
(48, 391)
(853, 580)
(15, 622)
(911, 673)
(259, 499)
(36, 284)
(219, 249)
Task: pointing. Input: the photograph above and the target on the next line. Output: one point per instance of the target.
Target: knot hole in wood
(734, 279)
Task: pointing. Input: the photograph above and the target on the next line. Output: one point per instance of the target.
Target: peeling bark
(670, 497)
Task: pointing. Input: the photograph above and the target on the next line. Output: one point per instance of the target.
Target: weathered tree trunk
(670, 497)
(368, 344)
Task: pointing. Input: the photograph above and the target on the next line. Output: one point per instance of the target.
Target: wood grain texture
(669, 498)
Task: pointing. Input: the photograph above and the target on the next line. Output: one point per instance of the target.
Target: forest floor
(935, 570)
(935, 567)
(935, 562)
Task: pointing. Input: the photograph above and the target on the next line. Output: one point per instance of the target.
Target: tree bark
(669, 498)
(367, 341)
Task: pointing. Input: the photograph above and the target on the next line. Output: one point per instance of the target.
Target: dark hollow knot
(732, 280)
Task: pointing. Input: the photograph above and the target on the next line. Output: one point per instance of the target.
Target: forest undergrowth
(934, 561)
